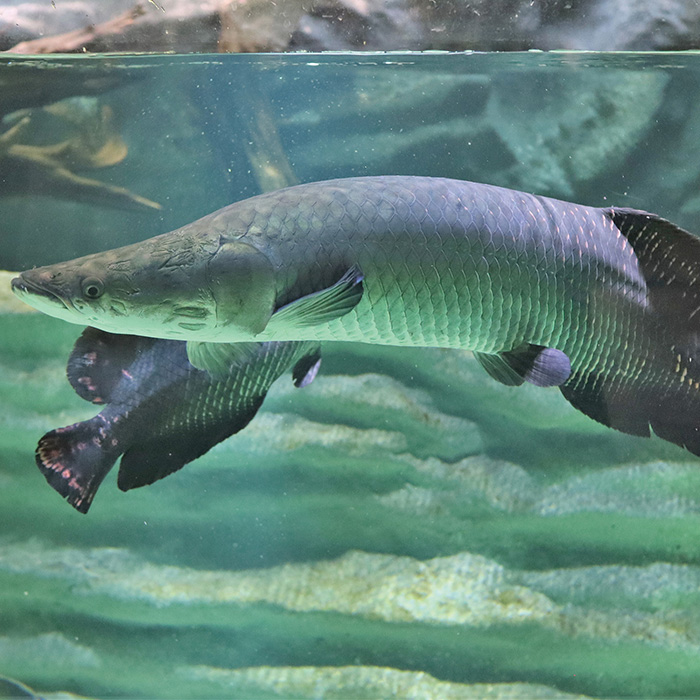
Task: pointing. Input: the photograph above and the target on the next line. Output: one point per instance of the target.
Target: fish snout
(18, 284)
(38, 288)
(23, 285)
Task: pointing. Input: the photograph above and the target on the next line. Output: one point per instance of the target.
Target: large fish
(160, 413)
(601, 302)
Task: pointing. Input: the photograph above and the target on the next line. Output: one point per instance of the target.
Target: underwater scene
(400, 524)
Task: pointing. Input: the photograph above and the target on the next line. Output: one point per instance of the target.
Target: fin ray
(531, 363)
(323, 306)
(74, 461)
(220, 359)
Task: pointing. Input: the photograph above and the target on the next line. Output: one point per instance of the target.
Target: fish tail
(75, 459)
(662, 391)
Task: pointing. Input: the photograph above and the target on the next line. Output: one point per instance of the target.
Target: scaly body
(598, 301)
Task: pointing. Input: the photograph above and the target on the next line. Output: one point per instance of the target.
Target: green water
(405, 513)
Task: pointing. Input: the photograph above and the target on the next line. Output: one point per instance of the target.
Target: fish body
(601, 302)
(159, 411)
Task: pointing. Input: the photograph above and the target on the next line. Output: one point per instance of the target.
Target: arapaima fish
(601, 302)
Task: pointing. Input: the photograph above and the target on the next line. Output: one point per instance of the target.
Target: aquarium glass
(405, 526)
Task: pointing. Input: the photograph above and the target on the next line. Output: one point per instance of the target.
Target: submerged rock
(375, 401)
(364, 682)
(572, 133)
(463, 590)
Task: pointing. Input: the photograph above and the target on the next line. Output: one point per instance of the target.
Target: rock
(574, 132)
(182, 27)
(623, 25)
(463, 590)
(372, 401)
(504, 486)
(257, 25)
(656, 489)
(287, 435)
(363, 682)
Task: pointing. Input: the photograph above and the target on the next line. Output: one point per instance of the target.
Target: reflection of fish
(601, 302)
(14, 690)
(161, 412)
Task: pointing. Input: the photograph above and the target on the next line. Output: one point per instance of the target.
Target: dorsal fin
(669, 257)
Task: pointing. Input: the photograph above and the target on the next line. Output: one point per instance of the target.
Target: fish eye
(92, 288)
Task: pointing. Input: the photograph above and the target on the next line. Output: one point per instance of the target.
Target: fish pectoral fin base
(97, 360)
(74, 461)
(323, 306)
(150, 460)
(535, 364)
(220, 359)
(242, 282)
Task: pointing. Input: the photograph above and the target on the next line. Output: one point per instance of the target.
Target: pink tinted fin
(75, 459)
(98, 359)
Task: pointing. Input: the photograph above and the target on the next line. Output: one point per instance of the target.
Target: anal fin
(531, 363)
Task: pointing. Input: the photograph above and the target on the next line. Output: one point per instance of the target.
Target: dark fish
(160, 412)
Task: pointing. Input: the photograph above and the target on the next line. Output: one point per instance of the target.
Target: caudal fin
(661, 391)
(75, 460)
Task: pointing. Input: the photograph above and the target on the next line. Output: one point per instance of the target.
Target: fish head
(179, 287)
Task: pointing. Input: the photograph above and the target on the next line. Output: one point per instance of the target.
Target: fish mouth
(28, 291)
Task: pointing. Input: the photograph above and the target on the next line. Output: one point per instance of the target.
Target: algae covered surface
(405, 526)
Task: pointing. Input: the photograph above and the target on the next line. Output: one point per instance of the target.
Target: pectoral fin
(535, 364)
(323, 306)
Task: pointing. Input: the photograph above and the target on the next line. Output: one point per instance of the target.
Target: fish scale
(411, 213)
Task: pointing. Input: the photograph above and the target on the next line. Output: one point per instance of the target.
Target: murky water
(405, 514)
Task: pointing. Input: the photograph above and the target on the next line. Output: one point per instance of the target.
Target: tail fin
(663, 390)
(75, 460)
